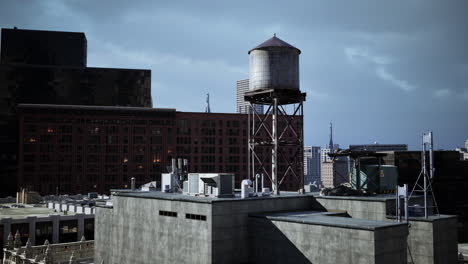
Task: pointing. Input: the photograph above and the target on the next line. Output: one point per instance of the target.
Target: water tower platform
(266, 96)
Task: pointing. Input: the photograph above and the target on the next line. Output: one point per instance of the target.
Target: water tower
(274, 83)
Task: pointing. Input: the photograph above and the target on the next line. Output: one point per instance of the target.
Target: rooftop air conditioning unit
(216, 184)
(168, 183)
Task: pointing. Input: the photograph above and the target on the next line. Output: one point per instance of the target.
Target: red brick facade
(79, 149)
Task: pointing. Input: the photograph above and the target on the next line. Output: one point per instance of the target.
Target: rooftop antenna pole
(207, 109)
(427, 176)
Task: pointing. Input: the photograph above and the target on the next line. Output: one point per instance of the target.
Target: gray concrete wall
(433, 240)
(430, 241)
(103, 235)
(287, 242)
(358, 208)
(134, 232)
(230, 234)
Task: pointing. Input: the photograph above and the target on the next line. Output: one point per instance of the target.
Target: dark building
(78, 149)
(380, 147)
(47, 67)
(450, 181)
(39, 47)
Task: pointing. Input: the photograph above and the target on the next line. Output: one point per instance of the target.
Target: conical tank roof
(275, 42)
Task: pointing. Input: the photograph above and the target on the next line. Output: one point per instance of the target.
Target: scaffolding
(275, 101)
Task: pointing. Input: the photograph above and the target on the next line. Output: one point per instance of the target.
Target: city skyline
(375, 77)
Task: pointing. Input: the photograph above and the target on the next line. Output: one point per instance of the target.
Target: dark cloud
(380, 70)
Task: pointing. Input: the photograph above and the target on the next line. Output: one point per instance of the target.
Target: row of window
(168, 213)
(167, 122)
(108, 140)
(187, 216)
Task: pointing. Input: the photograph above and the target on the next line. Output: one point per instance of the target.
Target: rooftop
(199, 199)
(94, 107)
(28, 211)
(327, 219)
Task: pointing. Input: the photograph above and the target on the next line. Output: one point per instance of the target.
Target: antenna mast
(207, 109)
(427, 176)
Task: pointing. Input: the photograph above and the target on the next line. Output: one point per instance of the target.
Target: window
(138, 140)
(45, 158)
(65, 148)
(112, 149)
(139, 158)
(139, 130)
(112, 158)
(156, 140)
(68, 231)
(196, 217)
(46, 139)
(28, 158)
(112, 130)
(112, 140)
(94, 140)
(168, 213)
(29, 148)
(66, 129)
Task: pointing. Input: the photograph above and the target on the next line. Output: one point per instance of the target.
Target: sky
(381, 71)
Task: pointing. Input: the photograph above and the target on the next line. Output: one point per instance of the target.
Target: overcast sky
(382, 71)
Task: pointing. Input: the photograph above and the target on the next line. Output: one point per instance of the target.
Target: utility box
(168, 183)
(212, 184)
(377, 178)
(194, 184)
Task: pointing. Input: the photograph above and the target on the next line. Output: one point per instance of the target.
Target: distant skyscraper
(380, 147)
(330, 147)
(324, 154)
(242, 105)
(311, 165)
(333, 172)
(466, 144)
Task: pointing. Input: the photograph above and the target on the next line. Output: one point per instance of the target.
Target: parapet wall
(288, 242)
(432, 240)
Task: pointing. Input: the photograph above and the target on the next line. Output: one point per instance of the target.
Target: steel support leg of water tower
(274, 150)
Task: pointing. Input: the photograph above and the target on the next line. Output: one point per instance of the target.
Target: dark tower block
(49, 67)
(38, 47)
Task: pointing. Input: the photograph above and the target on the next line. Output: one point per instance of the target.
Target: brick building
(78, 149)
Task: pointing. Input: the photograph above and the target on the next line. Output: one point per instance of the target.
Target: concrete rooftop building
(156, 227)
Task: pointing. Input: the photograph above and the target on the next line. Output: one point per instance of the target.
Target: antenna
(428, 176)
(330, 143)
(207, 109)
